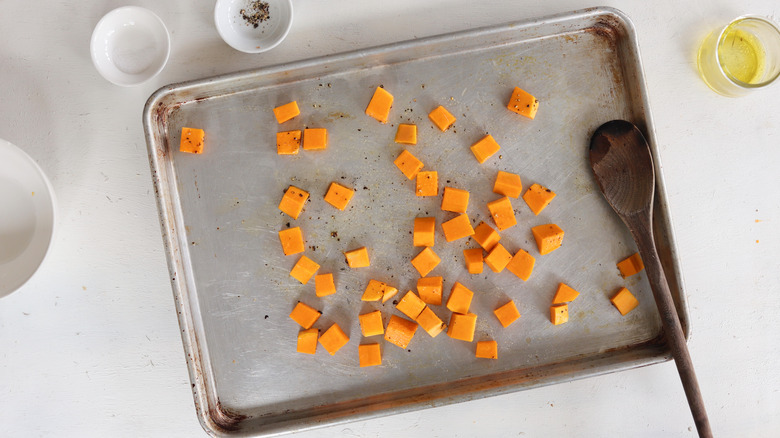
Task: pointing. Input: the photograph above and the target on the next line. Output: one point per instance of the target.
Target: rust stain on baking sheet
(225, 418)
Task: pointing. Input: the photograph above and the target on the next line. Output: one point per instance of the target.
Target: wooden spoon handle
(671, 325)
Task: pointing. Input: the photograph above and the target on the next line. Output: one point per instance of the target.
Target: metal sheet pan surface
(231, 281)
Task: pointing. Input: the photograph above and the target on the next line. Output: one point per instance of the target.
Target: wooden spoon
(623, 167)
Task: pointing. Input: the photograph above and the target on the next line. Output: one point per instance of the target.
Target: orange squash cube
(502, 212)
(485, 148)
(425, 261)
(286, 112)
(487, 350)
(474, 260)
(486, 236)
(538, 197)
(508, 184)
(631, 265)
(304, 269)
(457, 228)
(430, 289)
(624, 301)
(376, 290)
(410, 305)
(408, 164)
(522, 264)
(559, 314)
(523, 103)
(293, 201)
(424, 231)
(292, 240)
(315, 139)
(462, 326)
(427, 183)
(460, 298)
(333, 339)
(324, 285)
(507, 314)
(548, 237)
(430, 322)
(454, 200)
(379, 106)
(369, 355)
(441, 118)
(371, 323)
(307, 341)
(288, 142)
(400, 331)
(338, 195)
(305, 315)
(358, 258)
(564, 294)
(192, 140)
(498, 258)
(406, 134)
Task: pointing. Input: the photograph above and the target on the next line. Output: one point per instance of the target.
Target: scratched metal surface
(231, 281)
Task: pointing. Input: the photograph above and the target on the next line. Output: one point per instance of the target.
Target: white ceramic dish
(242, 35)
(27, 218)
(130, 45)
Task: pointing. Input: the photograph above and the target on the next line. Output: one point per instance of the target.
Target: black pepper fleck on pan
(266, 317)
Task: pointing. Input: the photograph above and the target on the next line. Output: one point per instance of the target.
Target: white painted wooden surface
(90, 347)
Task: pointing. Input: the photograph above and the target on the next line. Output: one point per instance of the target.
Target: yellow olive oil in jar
(742, 56)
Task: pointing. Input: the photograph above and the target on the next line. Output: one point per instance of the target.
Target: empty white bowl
(27, 218)
(130, 45)
(242, 35)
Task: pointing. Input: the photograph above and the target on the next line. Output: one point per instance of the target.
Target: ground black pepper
(256, 13)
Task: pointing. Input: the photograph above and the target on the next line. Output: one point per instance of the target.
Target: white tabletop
(91, 346)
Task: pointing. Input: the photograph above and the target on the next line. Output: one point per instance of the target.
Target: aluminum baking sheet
(231, 281)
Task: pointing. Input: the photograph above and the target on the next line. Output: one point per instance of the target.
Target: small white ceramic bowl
(130, 45)
(242, 35)
(27, 218)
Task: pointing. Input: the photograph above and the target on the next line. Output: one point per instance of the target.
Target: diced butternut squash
(441, 118)
(430, 322)
(462, 326)
(455, 200)
(559, 314)
(430, 289)
(522, 264)
(507, 314)
(486, 236)
(498, 258)
(192, 140)
(502, 212)
(358, 258)
(424, 231)
(425, 261)
(624, 301)
(307, 340)
(457, 228)
(379, 106)
(338, 195)
(315, 139)
(400, 331)
(371, 323)
(523, 103)
(427, 183)
(286, 112)
(288, 142)
(474, 260)
(538, 197)
(485, 148)
(369, 355)
(408, 164)
(305, 315)
(564, 294)
(376, 290)
(304, 269)
(324, 285)
(548, 237)
(333, 339)
(293, 201)
(292, 240)
(410, 305)
(508, 184)
(460, 298)
(487, 350)
(406, 134)
(631, 265)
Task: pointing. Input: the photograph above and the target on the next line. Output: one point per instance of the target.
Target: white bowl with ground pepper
(253, 26)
